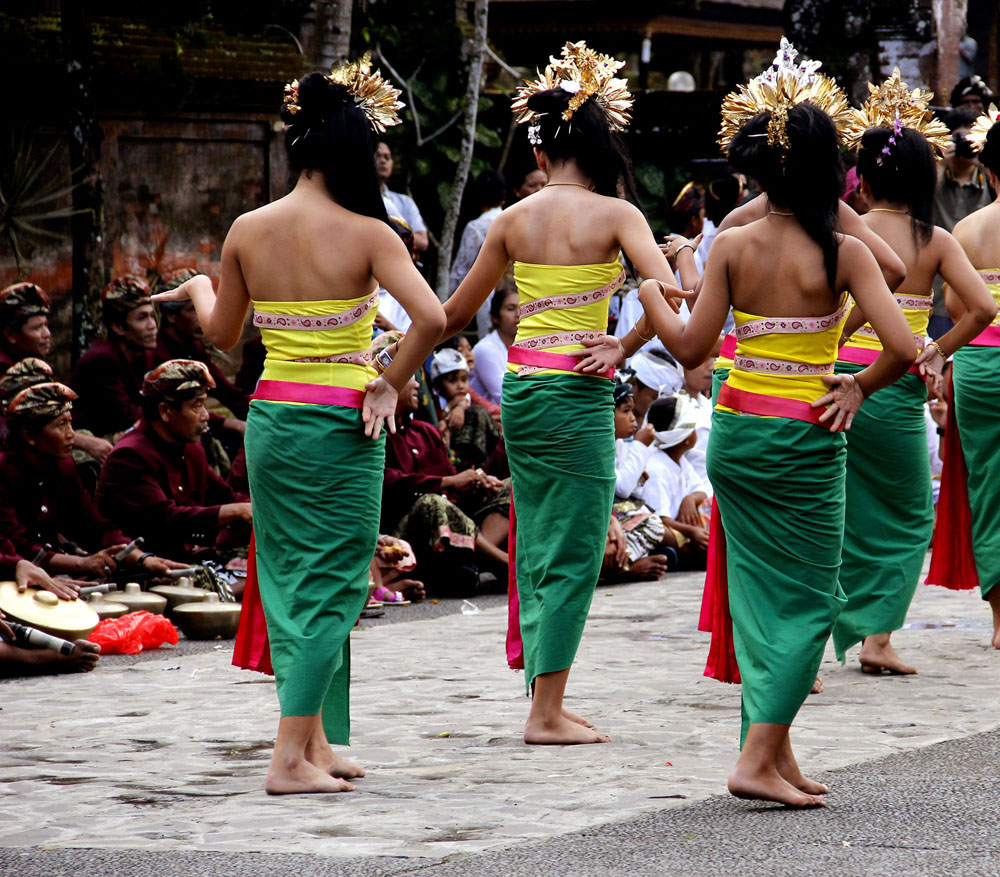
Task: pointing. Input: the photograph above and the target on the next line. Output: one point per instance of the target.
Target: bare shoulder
(745, 214)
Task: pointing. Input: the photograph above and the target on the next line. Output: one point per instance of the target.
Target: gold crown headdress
(585, 74)
(373, 94)
(977, 136)
(785, 84)
(893, 105)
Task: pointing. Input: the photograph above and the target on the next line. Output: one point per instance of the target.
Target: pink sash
(989, 337)
(312, 394)
(542, 359)
(866, 356)
(769, 406)
(728, 350)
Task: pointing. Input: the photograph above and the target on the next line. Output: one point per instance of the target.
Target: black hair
(587, 138)
(661, 413)
(721, 197)
(490, 189)
(808, 176)
(970, 85)
(329, 133)
(989, 157)
(907, 175)
(960, 117)
(499, 297)
(151, 404)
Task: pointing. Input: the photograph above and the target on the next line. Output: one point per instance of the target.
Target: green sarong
(560, 437)
(976, 377)
(316, 488)
(779, 484)
(890, 510)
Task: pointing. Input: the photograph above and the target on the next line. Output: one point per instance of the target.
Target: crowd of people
(651, 406)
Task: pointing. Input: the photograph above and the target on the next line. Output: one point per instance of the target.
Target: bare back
(979, 235)
(306, 247)
(922, 262)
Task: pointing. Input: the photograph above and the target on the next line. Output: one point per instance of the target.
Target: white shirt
(403, 207)
(472, 242)
(393, 311)
(702, 407)
(630, 463)
(491, 365)
(668, 484)
(933, 446)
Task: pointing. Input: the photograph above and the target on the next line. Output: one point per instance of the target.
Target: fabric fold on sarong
(559, 431)
(780, 488)
(251, 651)
(890, 510)
(314, 544)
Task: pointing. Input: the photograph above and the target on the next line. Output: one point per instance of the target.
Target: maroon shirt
(48, 504)
(109, 388)
(225, 391)
(164, 492)
(416, 459)
(6, 358)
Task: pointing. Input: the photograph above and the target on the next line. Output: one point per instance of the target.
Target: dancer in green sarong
(890, 513)
(776, 458)
(310, 264)
(558, 415)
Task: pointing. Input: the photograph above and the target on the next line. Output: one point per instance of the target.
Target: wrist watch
(383, 360)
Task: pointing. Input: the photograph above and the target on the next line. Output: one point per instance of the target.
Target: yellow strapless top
(562, 305)
(916, 309)
(991, 277)
(325, 342)
(785, 356)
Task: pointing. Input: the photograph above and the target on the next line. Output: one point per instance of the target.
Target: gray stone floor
(156, 766)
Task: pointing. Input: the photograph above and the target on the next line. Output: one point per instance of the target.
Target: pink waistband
(865, 356)
(728, 346)
(989, 337)
(769, 406)
(311, 394)
(542, 359)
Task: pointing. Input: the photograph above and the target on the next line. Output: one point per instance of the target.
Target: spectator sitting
(491, 352)
(462, 344)
(396, 203)
(157, 482)
(391, 314)
(394, 561)
(973, 94)
(488, 191)
(642, 530)
(674, 489)
(655, 374)
(24, 324)
(698, 391)
(468, 429)
(45, 511)
(421, 499)
(251, 366)
(108, 377)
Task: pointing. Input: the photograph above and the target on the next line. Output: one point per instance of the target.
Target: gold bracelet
(642, 337)
(937, 347)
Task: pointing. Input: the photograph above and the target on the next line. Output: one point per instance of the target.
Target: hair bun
(551, 101)
(319, 99)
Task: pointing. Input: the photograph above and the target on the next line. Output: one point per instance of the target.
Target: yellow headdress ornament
(977, 136)
(585, 74)
(373, 94)
(893, 105)
(783, 85)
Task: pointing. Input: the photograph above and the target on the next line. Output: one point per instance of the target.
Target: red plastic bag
(132, 633)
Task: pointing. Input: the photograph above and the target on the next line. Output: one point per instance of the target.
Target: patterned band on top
(769, 406)
(765, 366)
(990, 275)
(790, 325)
(869, 332)
(556, 339)
(539, 359)
(309, 394)
(914, 302)
(357, 357)
(319, 323)
(572, 300)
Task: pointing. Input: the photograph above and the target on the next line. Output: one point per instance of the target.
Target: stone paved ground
(156, 766)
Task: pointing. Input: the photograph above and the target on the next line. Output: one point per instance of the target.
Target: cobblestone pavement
(157, 766)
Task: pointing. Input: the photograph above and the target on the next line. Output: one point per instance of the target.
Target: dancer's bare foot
(789, 770)
(573, 717)
(817, 686)
(770, 786)
(878, 657)
(302, 778)
(335, 765)
(560, 732)
(994, 597)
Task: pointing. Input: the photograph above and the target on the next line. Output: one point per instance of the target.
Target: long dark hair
(990, 154)
(588, 138)
(907, 175)
(808, 176)
(330, 134)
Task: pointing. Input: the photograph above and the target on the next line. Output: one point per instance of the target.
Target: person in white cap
(656, 374)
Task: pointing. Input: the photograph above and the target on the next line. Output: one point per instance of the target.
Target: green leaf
(488, 137)
(651, 178)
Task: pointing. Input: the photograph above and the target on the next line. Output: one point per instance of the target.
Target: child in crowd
(491, 351)
(674, 489)
(698, 389)
(643, 531)
(469, 430)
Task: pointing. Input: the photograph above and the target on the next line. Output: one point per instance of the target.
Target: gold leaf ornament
(584, 73)
(894, 100)
(981, 128)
